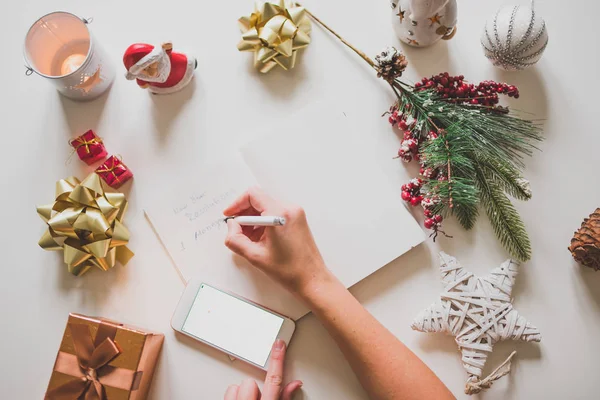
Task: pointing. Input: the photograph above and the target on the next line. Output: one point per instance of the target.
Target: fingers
(253, 232)
(231, 393)
(289, 389)
(253, 198)
(274, 379)
(238, 242)
(248, 390)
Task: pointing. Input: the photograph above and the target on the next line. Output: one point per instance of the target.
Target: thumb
(289, 389)
(237, 242)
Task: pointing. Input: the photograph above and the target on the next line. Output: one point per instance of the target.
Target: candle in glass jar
(59, 46)
(72, 63)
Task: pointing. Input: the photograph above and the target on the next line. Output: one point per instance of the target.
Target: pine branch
(480, 151)
(466, 214)
(507, 224)
(507, 176)
(495, 134)
(465, 197)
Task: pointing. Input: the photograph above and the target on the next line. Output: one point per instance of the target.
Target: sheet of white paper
(189, 221)
(324, 165)
(359, 222)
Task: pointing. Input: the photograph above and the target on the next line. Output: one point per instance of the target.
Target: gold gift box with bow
(85, 222)
(100, 359)
(275, 31)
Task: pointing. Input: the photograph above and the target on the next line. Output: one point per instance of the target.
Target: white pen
(258, 220)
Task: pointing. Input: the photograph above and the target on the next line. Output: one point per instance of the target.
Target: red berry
(402, 125)
(415, 201)
(474, 101)
(428, 213)
(438, 219)
(412, 144)
(405, 196)
(429, 223)
(391, 120)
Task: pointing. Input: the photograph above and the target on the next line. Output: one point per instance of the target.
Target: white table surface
(160, 137)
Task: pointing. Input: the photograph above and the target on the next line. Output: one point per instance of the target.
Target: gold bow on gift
(85, 222)
(274, 32)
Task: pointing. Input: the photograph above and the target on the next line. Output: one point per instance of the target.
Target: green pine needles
(473, 156)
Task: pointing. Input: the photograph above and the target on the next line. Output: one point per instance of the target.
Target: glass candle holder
(60, 47)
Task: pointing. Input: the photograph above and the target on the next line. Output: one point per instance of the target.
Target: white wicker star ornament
(478, 312)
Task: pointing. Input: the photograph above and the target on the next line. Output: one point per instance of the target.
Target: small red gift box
(89, 147)
(114, 172)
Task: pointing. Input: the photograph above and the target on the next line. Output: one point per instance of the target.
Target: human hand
(288, 254)
(248, 389)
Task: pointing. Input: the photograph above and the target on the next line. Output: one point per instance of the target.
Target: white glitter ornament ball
(515, 38)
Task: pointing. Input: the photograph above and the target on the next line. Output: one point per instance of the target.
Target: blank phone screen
(232, 324)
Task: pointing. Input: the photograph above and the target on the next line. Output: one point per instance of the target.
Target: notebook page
(322, 164)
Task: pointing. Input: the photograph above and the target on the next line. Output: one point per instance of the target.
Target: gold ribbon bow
(274, 32)
(89, 365)
(85, 222)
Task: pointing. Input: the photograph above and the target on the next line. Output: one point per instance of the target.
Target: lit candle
(72, 63)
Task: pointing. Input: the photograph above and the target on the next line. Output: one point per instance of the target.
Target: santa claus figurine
(158, 68)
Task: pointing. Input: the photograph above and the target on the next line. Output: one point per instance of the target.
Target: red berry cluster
(456, 90)
(411, 193)
(409, 148)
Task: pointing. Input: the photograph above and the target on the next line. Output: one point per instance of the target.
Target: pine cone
(585, 245)
(390, 64)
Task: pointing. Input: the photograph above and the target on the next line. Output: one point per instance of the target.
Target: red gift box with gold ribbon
(89, 147)
(114, 172)
(100, 359)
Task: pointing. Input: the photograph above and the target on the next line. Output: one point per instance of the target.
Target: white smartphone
(230, 323)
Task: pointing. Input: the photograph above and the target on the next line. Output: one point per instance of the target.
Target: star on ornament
(435, 19)
(412, 41)
(478, 312)
(401, 14)
(89, 82)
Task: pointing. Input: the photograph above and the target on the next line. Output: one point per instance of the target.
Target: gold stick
(334, 33)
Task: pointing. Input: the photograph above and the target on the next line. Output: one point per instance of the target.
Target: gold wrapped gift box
(100, 359)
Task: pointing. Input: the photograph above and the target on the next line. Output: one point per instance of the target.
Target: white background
(159, 136)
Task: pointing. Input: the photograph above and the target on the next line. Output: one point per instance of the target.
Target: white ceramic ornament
(515, 38)
(478, 312)
(423, 22)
